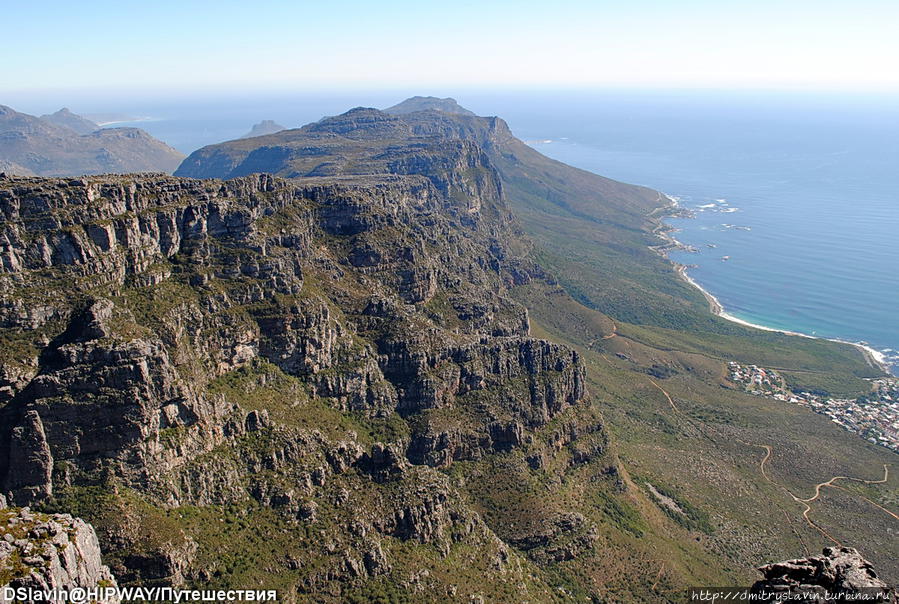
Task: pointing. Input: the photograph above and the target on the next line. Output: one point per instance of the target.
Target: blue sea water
(796, 200)
(796, 196)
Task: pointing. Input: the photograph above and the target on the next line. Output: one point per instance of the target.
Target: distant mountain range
(402, 137)
(66, 144)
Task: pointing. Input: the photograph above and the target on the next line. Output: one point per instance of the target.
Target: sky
(202, 45)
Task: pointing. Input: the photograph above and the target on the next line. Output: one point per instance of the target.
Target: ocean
(795, 196)
(795, 201)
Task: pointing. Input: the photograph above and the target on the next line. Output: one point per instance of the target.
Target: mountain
(352, 143)
(296, 355)
(9, 167)
(31, 145)
(422, 363)
(264, 127)
(428, 103)
(67, 119)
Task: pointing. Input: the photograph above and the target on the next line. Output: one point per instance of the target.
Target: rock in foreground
(49, 552)
(839, 570)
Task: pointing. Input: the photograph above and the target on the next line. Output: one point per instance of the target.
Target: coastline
(133, 120)
(872, 356)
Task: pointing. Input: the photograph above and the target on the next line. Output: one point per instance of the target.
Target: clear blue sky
(264, 44)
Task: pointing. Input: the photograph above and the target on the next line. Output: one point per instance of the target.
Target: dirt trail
(764, 461)
(658, 577)
(668, 396)
(767, 449)
(827, 483)
(762, 466)
(818, 487)
(874, 503)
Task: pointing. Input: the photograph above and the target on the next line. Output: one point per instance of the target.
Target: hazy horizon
(169, 47)
(476, 98)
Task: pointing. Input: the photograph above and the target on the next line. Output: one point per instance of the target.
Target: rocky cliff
(365, 140)
(49, 552)
(303, 356)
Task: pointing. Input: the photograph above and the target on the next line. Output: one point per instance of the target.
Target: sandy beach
(663, 231)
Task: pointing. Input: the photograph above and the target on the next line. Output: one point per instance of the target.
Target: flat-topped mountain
(53, 146)
(264, 127)
(70, 120)
(428, 103)
(354, 143)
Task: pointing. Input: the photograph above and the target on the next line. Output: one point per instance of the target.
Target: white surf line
(874, 357)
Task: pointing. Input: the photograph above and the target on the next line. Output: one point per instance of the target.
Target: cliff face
(309, 351)
(49, 552)
(369, 141)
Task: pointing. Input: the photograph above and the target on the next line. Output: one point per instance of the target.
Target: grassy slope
(707, 447)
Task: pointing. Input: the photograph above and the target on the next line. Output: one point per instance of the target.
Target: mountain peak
(65, 118)
(264, 127)
(428, 103)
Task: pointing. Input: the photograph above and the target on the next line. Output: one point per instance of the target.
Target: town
(874, 416)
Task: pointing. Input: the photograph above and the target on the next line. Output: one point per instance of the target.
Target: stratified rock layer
(315, 347)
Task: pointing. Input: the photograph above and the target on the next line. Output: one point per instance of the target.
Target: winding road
(821, 485)
(818, 487)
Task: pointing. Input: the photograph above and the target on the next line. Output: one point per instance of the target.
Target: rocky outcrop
(30, 453)
(428, 103)
(50, 552)
(839, 570)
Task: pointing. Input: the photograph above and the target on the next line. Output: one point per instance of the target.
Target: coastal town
(874, 417)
